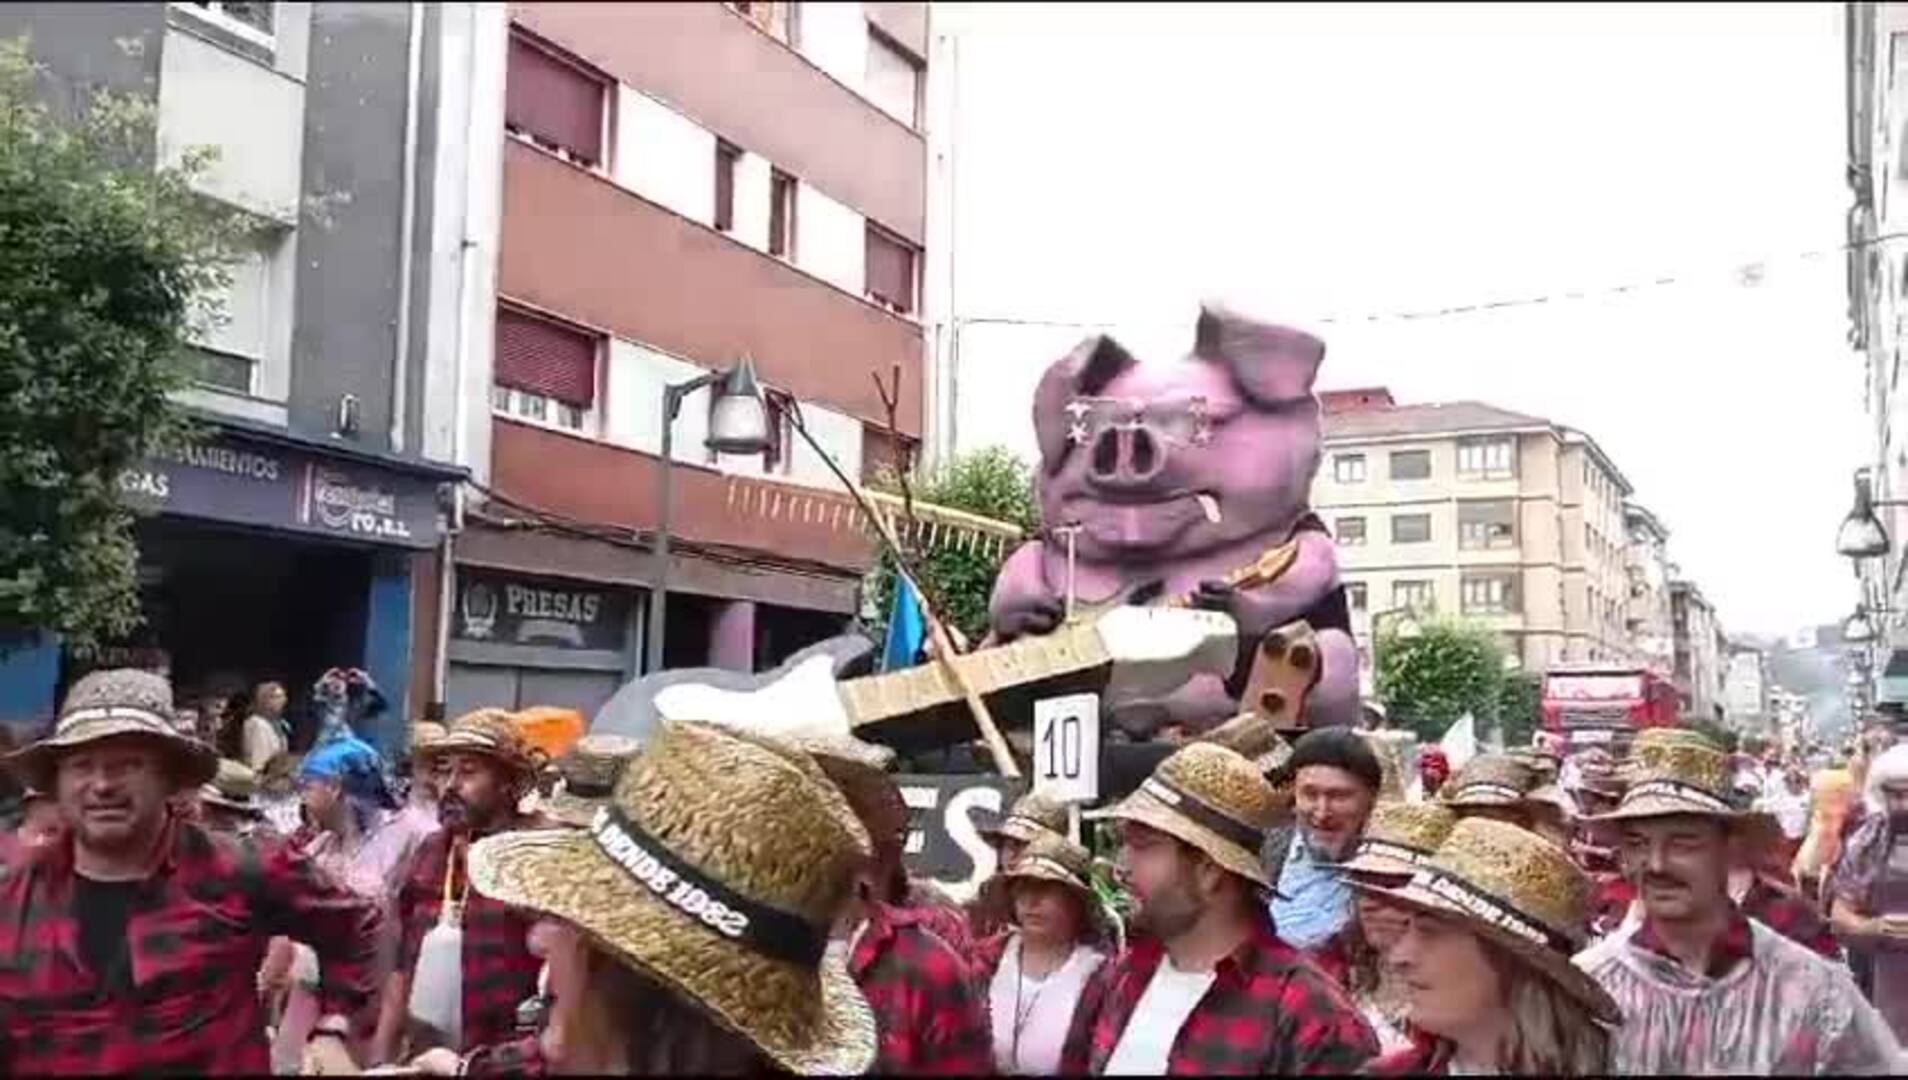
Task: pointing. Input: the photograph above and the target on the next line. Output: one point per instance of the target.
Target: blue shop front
(262, 556)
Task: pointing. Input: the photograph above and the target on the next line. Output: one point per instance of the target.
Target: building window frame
(1414, 594)
(1350, 531)
(728, 160)
(1398, 457)
(1357, 596)
(1488, 594)
(1486, 534)
(530, 407)
(907, 305)
(782, 209)
(214, 13)
(1487, 457)
(605, 110)
(1398, 534)
(1348, 468)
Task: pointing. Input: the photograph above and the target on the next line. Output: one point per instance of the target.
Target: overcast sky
(1117, 162)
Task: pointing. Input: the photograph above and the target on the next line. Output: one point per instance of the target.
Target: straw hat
(490, 733)
(235, 787)
(425, 732)
(1681, 777)
(1399, 837)
(717, 868)
(1518, 890)
(1031, 816)
(1252, 735)
(1488, 780)
(588, 773)
(1051, 857)
(107, 704)
(1211, 798)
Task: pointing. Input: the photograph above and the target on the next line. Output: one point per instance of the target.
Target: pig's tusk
(1210, 505)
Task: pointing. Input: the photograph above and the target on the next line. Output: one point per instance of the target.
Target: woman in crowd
(1494, 917)
(1033, 977)
(687, 930)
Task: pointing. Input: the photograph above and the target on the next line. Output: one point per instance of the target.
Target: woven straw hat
(718, 868)
(1518, 890)
(1032, 815)
(1051, 857)
(1252, 735)
(1399, 837)
(1211, 798)
(1680, 777)
(235, 787)
(426, 732)
(587, 777)
(1488, 780)
(109, 704)
(1542, 762)
(490, 733)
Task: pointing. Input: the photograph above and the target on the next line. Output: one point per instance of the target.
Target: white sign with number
(1066, 747)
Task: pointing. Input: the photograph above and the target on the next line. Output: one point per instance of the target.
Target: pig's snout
(1127, 457)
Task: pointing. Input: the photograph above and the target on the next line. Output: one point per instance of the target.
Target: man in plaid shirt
(487, 769)
(1206, 986)
(133, 944)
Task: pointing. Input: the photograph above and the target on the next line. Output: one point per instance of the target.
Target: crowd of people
(716, 901)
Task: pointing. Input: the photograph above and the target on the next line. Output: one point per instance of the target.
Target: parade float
(1179, 580)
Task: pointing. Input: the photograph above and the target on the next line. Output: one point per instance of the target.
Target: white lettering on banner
(367, 511)
(226, 460)
(669, 887)
(524, 602)
(1497, 916)
(149, 483)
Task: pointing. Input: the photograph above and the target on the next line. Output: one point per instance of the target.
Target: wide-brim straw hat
(489, 733)
(117, 703)
(1489, 780)
(426, 732)
(1517, 890)
(1399, 838)
(1212, 799)
(588, 772)
(1252, 735)
(718, 869)
(1031, 816)
(234, 787)
(1675, 778)
(1052, 857)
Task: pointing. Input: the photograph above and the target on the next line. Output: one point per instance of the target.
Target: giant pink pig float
(1178, 475)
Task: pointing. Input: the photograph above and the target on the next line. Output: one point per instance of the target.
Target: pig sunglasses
(1185, 423)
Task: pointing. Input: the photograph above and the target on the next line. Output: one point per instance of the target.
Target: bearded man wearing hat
(1336, 778)
(1703, 988)
(135, 940)
(463, 966)
(1205, 984)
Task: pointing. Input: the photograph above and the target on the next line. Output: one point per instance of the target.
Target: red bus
(1605, 704)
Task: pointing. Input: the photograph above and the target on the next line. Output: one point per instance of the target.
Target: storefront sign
(944, 843)
(509, 610)
(231, 478)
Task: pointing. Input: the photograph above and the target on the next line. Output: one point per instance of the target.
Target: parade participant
(906, 953)
(1493, 917)
(1336, 778)
(1493, 786)
(265, 734)
(1703, 988)
(1033, 814)
(1205, 984)
(1869, 890)
(586, 778)
(133, 942)
(686, 930)
(1031, 979)
(1788, 803)
(1434, 768)
(1398, 839)
(463, 956)
(229, 803)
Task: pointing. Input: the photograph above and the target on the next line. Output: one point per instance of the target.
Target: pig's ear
(1092, 364)
(1270, 364)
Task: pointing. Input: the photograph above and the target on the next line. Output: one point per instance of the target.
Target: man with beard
(486, 770)
(1703, 988)
(132, 941)
(1205, 985)
(1336, 778)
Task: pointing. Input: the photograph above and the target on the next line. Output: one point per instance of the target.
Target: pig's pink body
(1141, 456)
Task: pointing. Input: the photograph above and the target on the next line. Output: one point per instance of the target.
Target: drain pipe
(407, 229)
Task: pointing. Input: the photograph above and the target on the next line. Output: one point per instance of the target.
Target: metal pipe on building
(407, 228)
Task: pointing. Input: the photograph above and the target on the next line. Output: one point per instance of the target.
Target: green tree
(105, 263)
(1447, 669)
(991, 482)
(1518, 702)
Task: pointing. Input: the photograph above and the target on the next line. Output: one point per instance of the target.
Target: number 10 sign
(1066, 747)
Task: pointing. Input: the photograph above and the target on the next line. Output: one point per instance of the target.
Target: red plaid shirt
(1733, 947)
(1269, 1011)
(1788, 914)
(1424, 1057)
(197, 935)
(929, 1020)
(499, 972)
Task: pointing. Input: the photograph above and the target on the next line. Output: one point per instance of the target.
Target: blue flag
(907, 628)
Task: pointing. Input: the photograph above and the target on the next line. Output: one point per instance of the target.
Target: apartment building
(1702, 652)
(296, 536)
(1467, 508)
(1649, 623)
(685, 185)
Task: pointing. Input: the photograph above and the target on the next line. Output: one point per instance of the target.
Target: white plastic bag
(437, 983)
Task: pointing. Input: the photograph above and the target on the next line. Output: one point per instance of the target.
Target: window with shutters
(1488, 523)
(1411, 528)
(892, 79)
(545, 370)
(1411, 464)
(726, 157)
(1350, 531)
(781, 239)
(554, 102)
(890, 270)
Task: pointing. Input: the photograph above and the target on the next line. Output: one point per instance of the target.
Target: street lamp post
(1862, 535)
(738, 424)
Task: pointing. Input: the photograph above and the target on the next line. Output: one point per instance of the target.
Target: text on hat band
(1676, 789)
(769, 931)
(1488, 908)
(1386, 849)
(1197, 810)
(1504, 791)
(113, 712)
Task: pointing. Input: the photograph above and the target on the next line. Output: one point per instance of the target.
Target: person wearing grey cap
(1335, 780)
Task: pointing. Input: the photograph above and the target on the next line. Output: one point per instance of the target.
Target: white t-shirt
(1169, 999)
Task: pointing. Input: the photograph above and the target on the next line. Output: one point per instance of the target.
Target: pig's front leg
(1023, 603)
(1260, 608)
